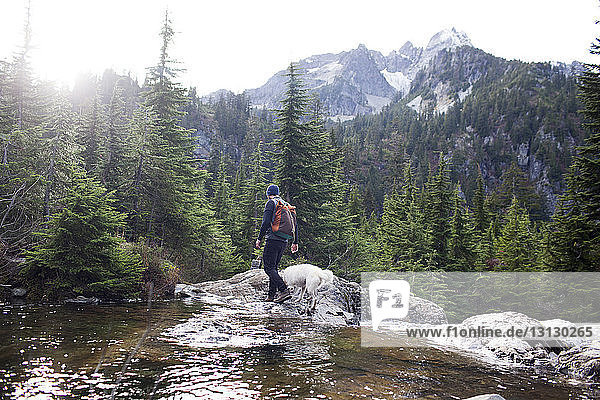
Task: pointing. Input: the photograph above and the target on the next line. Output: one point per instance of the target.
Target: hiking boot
(283, 296)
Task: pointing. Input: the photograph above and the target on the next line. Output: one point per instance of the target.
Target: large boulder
(422, 311)
(338, 304)
(582, 362)
(509, 348)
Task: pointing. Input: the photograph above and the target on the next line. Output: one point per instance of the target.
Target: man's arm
(266, 221)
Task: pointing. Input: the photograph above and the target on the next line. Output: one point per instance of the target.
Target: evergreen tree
(438, 210)
(254, 196)
(486, 248)
(21, 169)
(402, 230)
(517, 249)
(114, 147)
(461, 246)
(480, 212)
(515, 184)
(307, 171)
(177, 216)
(575, 236)
(293, 140)
(223, 201)
(78, 253)
(89, 137)
(571, 237)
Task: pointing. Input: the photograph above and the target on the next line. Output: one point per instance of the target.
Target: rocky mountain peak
(448, 39)
(360, 81)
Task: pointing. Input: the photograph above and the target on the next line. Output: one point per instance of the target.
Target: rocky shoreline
(340, 305)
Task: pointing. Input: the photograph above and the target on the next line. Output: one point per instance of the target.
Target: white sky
(239, 44)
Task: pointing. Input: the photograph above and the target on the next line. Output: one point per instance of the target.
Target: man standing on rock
(274, 247)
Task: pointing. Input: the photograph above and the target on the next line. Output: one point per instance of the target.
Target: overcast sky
(239, 44)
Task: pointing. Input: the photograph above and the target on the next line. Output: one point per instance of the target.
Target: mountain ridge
(361, 81)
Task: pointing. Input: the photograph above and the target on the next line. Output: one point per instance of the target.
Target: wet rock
(338, 304)
(421, 311)
(83, 300)
(487, 397)
(18, 292)
(582, 362)
(511, 349)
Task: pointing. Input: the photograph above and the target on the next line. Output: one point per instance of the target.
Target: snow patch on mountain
(448, 39)
(326, 73)
(464, 93)
(377, 102)
(342, 118)
(345, 80)
(397, 80)
(415, 103)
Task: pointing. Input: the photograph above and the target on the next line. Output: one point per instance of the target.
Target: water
(212, 351)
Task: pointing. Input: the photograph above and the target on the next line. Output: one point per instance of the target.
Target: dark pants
(271, 257)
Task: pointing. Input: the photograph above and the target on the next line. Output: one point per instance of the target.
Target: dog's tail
(326, 276)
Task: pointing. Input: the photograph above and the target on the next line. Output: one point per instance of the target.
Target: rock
(564, 343)
(511, 349)
(83, 300)
(582, 362)
(18, 292)
(487, 397)
(338, 305)
(421, 311)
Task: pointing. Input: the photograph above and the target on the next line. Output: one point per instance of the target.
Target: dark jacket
(265, 227)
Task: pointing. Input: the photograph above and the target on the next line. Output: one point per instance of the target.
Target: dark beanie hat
(272, 190)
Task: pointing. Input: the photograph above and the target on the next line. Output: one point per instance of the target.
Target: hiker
(275, 245)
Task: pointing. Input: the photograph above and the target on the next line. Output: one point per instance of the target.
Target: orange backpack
(283, 223)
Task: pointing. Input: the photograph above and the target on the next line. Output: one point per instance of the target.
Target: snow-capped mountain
(360, 81)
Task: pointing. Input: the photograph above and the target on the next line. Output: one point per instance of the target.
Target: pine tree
(516, 246)
(461, 247)
(177, 214)
(292, 142)
(570, 243)
(438, 210)
(114, 146)
(575, 236)
(21, 130)
(486, 248)
(516, 184)
(89, 137)
(307, 170)
(403, 230)
(479, 207)
(79, 254)
(254, 194)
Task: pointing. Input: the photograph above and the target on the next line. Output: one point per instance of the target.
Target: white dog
(309, 278)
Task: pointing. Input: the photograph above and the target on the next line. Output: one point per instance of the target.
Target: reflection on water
(209, 352)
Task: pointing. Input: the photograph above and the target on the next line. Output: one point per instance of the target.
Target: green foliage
(308, 171)
(514, 184)
(462, 253)
(400, 190)
(574, 240)
(79, 253)
(516, 245)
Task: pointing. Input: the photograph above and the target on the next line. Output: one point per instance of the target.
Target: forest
(114, 185)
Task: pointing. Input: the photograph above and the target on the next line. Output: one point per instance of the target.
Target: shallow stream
(77, 352)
